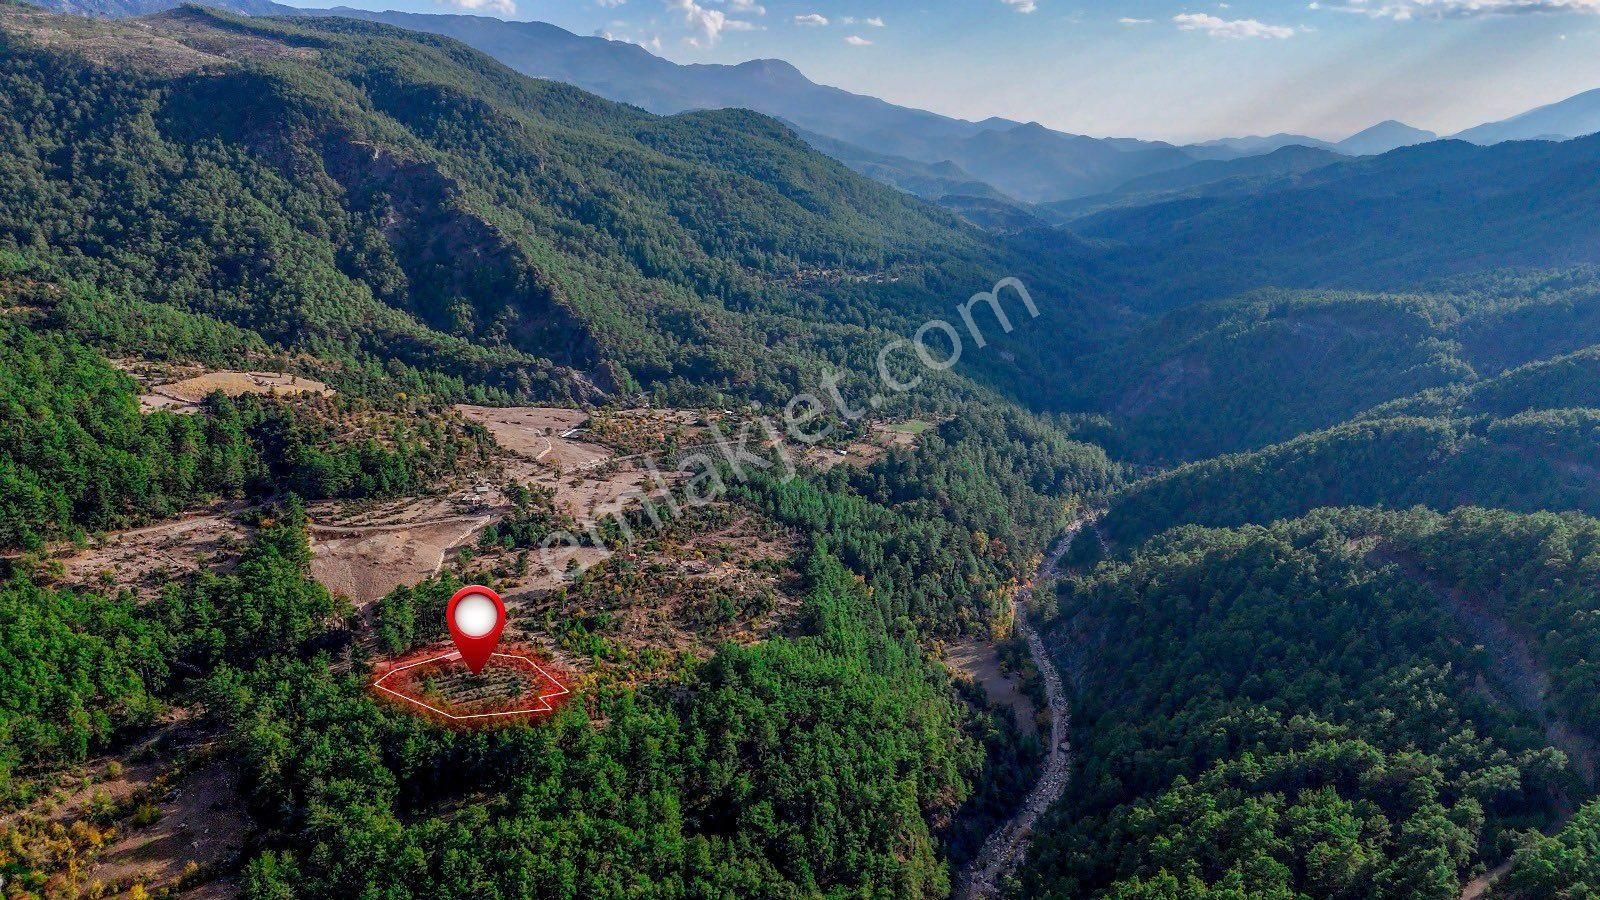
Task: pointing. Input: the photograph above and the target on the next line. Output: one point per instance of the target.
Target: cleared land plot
(364, 550)
(635, 431)
(978, 661)
(146, 559)
(589, 479)
(366, 562)
(186, 394)
(880, 439)
(535, 433)
(721, 576)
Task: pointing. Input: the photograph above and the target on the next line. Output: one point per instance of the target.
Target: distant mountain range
(1383, 137)
(1380, 138)
(933, 156)
(1025, 161)
(1573, 117)
(1379, 222)
(122, 9)
(1210, 178)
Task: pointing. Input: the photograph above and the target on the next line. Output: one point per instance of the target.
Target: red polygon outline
(545, 701)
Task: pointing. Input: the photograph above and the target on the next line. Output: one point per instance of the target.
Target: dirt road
(1005, 846)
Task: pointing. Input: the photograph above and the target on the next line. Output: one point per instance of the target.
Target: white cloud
(654, 43)
(811, 19)
(1127, 21)
(875, 21)
(1403, 10)
(1021, 6)
(745, 6)
(503, 7)
(1230, 28)
(709, 24)
(609, 4)
(856, 40)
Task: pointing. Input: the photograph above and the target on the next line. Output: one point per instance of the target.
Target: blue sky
(1140, 68)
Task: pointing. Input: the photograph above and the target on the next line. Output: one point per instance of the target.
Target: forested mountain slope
(1367, 701)
(1234, 687)
(119, 9)
(1272, 364)
(1307, 709)
(416, 224)
(395, 196)
(1388, 221)
(1529, 462)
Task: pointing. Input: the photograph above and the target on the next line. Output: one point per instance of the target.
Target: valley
(1261, 562)
(1005, 847)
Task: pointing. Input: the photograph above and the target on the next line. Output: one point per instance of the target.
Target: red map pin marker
(476, 617)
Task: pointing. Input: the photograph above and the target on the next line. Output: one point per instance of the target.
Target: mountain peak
(1383, 137)
(774, 70)
(998, 123)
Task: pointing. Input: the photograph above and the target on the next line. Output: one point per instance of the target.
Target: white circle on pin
(476, 615)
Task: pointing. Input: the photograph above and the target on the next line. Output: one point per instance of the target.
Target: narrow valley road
(1005, 846)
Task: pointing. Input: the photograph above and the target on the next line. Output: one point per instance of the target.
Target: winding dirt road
(1006, 845)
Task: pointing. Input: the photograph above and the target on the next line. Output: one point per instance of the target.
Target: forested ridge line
(1222, 678)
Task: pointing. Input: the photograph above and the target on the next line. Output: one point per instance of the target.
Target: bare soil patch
(106, 44)
(720, 575)
(166, 815)
(146, 559)
(977, 660)
(538, 434)
(365, 562)
(881, 438)
(364, 550)
(591, 481)
(706, 576)
(186, 394)
(201, 826)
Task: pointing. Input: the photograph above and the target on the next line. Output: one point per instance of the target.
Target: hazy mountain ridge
(1024, 161)
(1428, 211)
(1207, 178)
(1254, 145)
(1383, 137)
(1574, 117)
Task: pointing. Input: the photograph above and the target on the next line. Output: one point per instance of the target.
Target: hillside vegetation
(1383, 222)
(1328, 431)
(1271, 364)
(395, 201)
(1298, 710)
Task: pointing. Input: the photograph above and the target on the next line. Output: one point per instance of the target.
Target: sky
(1139, 68)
